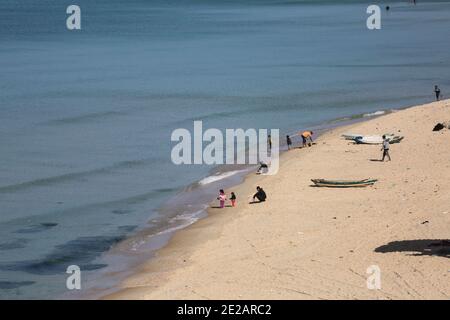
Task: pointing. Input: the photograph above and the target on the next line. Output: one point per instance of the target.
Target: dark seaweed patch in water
(85, 117)
(127, 228)
(80, 251)
(120, 211)
(15, 244)
(90, 267)
(37, 228)
(165, 190)
(14, 284)
(49, 224)
(49, 181)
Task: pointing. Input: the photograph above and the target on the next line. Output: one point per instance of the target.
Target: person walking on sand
(385, 149)
(260, 194)
(437, 92)
(269, 142)
(289, 142)
(233, 199)
(307, 135)
(222, 197)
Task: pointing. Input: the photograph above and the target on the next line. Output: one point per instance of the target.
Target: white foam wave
(179, 222)
(183, 220)
(373, 114)
(218, 176)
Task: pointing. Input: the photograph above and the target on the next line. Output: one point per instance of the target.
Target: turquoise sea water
(86, 116)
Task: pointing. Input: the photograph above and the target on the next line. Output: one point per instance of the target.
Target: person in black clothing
(437, 91)
(289, 142)
(263, 167)
(233, 199)
(260, 194)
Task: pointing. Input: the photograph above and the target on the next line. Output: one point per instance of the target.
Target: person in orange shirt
(307, 135)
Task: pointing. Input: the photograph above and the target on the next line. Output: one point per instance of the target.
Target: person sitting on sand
(222, 197)
(233, 199)
(262, 166)
(307, 135)
(260, 194)
(385, 148)
(289, 142)
(437, 92)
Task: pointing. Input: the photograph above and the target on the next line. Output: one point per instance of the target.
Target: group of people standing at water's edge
(259, 196)
(222, 197)
(306, 139)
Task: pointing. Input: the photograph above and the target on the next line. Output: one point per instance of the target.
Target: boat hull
(377, 139)
(343, 183)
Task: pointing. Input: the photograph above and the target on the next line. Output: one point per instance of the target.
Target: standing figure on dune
(233, 199)
(385, 149)
(288, 142)
(437, 92)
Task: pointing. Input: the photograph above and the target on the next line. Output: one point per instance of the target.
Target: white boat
(370, 140)
(351, 136)
(377, 139)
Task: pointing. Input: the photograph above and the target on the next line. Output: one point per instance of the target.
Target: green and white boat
(343, 183)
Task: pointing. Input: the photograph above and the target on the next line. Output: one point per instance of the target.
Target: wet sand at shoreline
(317, 243)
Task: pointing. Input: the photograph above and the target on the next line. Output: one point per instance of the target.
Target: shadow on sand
(218, 207)
(422, 247)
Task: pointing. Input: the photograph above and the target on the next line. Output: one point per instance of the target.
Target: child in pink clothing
(222, 197)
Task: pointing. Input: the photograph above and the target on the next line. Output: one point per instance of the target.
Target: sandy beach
(306, 242)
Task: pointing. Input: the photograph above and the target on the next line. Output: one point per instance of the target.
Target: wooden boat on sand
(343, 183)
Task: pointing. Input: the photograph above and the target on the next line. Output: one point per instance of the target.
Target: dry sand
(317, 243)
